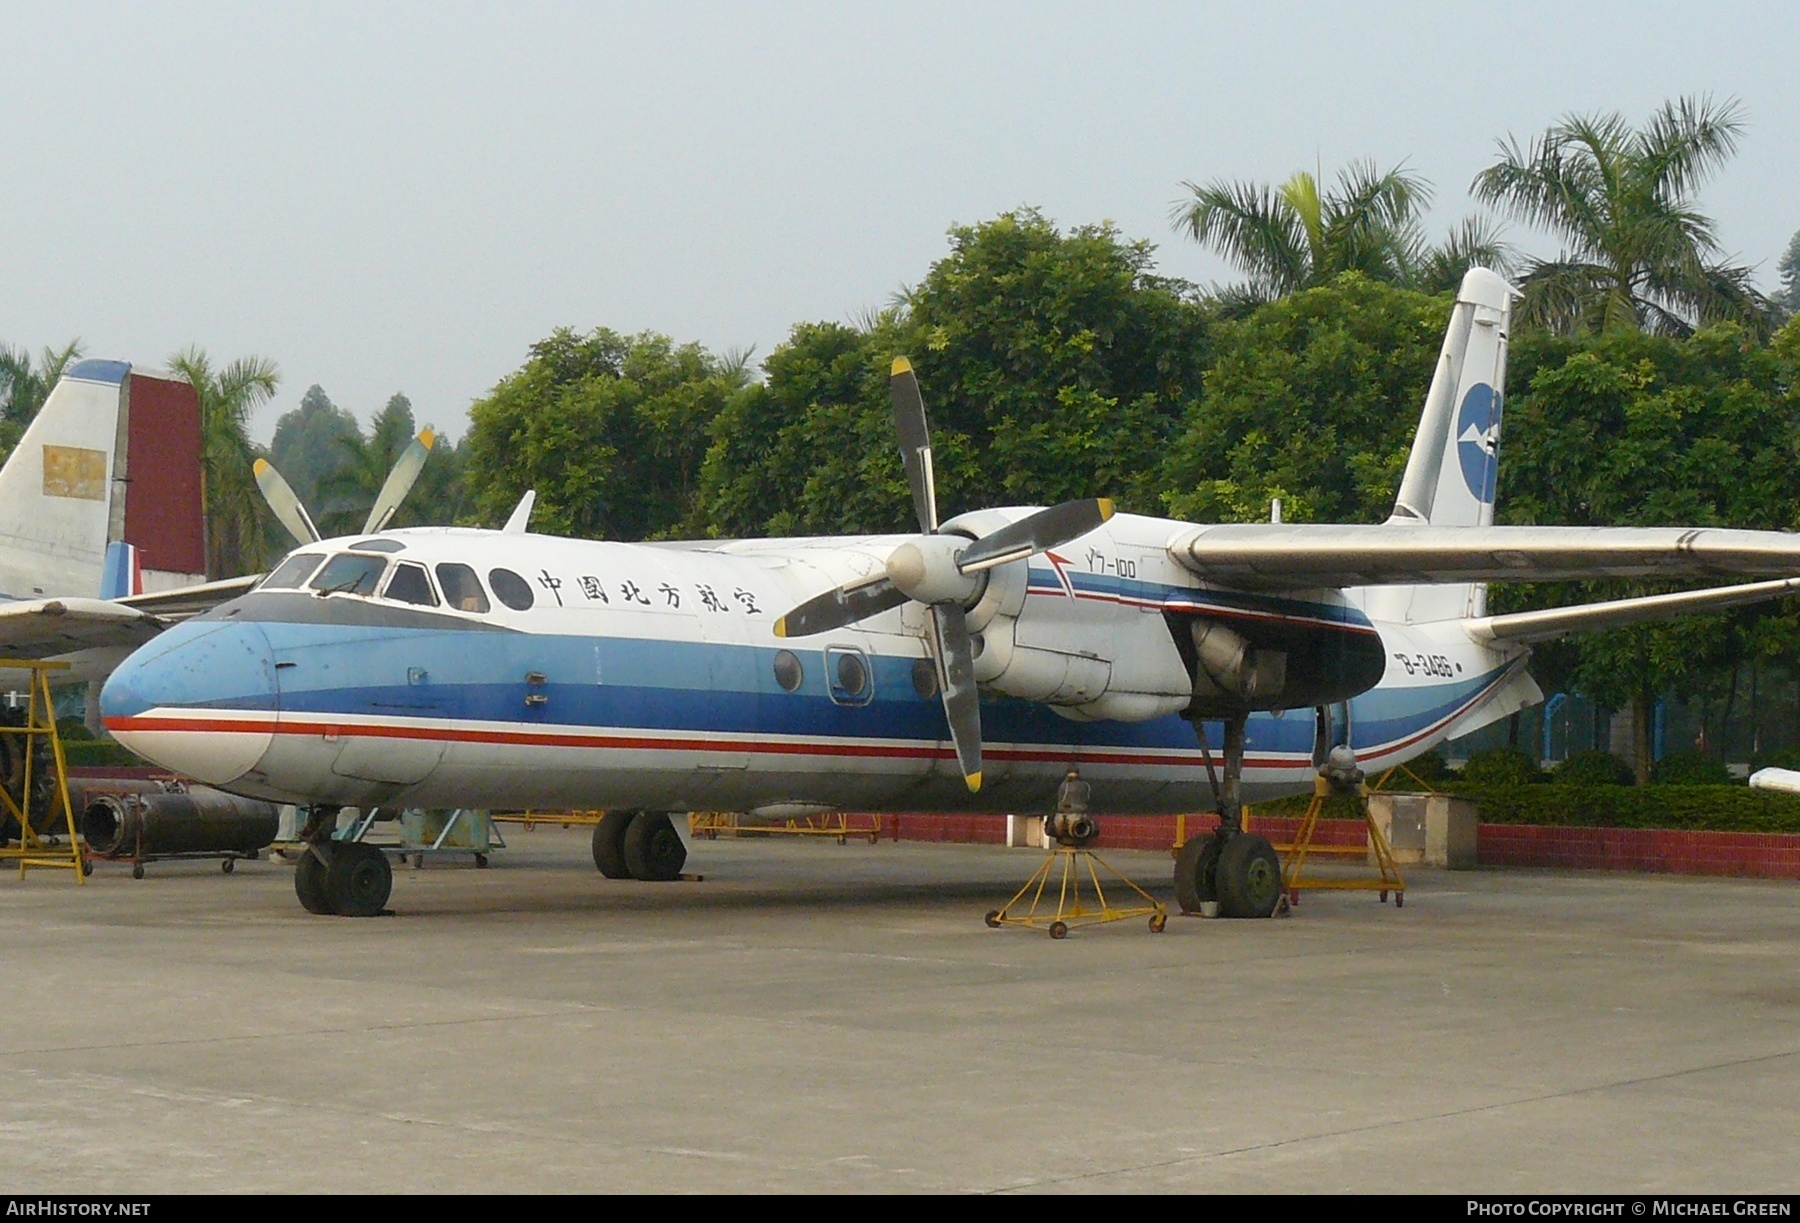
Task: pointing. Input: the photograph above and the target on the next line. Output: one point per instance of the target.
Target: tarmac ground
(815, 1017)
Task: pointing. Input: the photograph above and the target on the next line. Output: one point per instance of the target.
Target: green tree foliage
(23, 388)
(609, 429)
(1638, 253)
(1641, 430)
(1591, 768)
(1314, 399)
(1301, 235)
(1789, 267)
(238, 522)
(810, 449)
(1054, 365)
(308, 443)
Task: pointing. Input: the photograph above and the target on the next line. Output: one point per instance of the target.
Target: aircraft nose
(199, 700)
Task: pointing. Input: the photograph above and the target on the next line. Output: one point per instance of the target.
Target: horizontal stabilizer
(1587, 617)
(1295, 556)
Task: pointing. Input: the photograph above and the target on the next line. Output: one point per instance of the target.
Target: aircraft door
(1331, 728)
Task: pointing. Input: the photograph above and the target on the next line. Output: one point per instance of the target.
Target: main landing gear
(639, 845)
(345, 878)
(1231, 873)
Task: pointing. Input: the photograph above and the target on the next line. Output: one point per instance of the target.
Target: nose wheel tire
(1248, 877)
(609, 844)
(309, 882)
(349, 880)
(654, 851)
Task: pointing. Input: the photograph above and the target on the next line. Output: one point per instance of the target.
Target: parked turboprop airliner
(966, 667)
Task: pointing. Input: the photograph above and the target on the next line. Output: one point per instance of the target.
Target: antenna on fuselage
(520, 518)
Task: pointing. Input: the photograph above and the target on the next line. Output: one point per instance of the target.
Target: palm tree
(347, 492)
(24, 389)
(1637, 253)
(238, 523)
(1296, 235)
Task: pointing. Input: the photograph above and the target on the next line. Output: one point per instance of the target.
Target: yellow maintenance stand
(1073, 830)
(1346, 780)
(40, 723)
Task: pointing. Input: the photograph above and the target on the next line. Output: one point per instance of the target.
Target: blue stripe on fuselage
(657, 684)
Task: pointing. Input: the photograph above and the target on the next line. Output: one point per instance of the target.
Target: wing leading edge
(1294, 556)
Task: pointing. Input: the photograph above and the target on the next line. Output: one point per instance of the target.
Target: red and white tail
(112, 456)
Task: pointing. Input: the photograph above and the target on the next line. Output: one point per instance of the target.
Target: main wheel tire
(609, 844)
(1195, 870)
(359, 881)
(654, 851)
(309, 883)
(1249, 877)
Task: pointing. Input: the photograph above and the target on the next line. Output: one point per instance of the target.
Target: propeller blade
(915, 443)
(836, 608)
(399, 481)
(956, 678)
(286, 505)
(1045, 529)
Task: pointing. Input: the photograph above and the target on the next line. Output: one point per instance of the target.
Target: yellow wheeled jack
(40, 724)
(1073, 830)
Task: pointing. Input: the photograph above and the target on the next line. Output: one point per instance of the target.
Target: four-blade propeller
(947, 573)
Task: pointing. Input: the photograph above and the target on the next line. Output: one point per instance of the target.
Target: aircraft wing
(188, 601)
(1556, 622)
(1297, 556)
(44, 628)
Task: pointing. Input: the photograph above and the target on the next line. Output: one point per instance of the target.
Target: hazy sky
(404, 197)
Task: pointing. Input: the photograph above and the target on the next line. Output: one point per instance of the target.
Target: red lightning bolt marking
(1057, 563)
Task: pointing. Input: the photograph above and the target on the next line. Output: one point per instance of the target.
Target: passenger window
(411, 584)
(511, 589)
(293, 572)
(349, 573)
(462, 589)
(847, 674)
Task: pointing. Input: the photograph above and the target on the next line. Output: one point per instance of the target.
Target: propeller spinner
(944, 572)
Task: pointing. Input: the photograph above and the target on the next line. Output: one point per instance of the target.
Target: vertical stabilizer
(58, 487)
(1451, 472)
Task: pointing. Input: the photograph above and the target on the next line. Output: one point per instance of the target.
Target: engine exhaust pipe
(153, 823)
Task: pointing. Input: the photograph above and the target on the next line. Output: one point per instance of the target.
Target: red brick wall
(1759, 855)
(1762, 855)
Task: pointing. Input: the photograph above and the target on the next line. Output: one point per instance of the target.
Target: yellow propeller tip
(1106, 508)
(781, 627)
(260, 466)
(901, 366)
(974, 780)
(428, 437)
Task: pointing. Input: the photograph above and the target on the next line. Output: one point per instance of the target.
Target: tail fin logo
(1477, 439)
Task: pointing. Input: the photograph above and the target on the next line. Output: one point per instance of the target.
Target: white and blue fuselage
(461, 668)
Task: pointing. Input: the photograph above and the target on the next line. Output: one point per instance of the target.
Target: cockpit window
(462, 589)
(511, 589)
(377, 545)
(349, 573)
(293, 572)
(411, 584)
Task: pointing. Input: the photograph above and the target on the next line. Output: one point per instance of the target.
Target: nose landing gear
(342, 878)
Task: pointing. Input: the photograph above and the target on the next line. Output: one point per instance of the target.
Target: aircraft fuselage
(522, 671)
